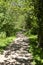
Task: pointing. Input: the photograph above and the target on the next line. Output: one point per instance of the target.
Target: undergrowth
(36, 51)
(4, 42)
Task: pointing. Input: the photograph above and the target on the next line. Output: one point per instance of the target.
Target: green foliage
(36, 51)
(2, 35)
(4, 42)
(18, 15)
(7, 18)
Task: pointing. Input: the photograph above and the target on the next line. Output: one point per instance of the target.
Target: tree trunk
(40, 22)
(40, 36)
(39, 12)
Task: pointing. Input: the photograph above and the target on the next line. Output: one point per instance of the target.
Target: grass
(36, 51)
(4, 42)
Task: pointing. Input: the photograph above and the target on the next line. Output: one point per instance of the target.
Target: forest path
(17, 52)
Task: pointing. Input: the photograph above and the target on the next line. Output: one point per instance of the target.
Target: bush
(36, 51)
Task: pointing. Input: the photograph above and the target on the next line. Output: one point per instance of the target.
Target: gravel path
(17, 52)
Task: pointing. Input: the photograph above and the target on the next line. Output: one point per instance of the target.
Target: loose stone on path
(17, 52)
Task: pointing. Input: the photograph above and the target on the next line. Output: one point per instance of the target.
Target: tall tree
(38, 4)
